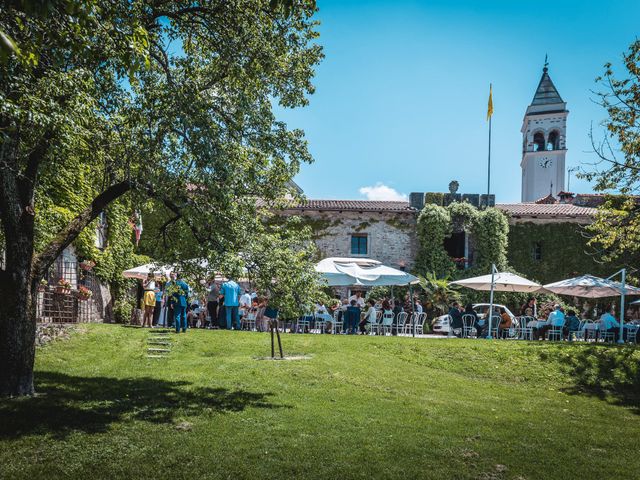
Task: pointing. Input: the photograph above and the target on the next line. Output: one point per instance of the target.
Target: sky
(401, 96)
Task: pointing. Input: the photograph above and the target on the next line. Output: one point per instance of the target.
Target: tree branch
(73, 229)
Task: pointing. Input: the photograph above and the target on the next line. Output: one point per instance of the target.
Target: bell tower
(544, 133)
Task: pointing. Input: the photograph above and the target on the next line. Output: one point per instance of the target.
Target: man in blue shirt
(231, 292)
(179, 291)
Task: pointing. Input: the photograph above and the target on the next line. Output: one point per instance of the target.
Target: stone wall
(391, 236)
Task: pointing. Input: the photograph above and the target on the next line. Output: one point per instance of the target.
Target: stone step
(156, 356)
(158, 350)
(158, 342)
(158, 339)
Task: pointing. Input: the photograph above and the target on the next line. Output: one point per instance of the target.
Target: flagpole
(489, 157)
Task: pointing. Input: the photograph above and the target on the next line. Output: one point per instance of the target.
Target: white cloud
(382, 192)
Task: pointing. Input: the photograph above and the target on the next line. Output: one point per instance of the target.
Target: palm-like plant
(438, 291)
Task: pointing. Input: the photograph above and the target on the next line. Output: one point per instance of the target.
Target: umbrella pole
(413, 324)
(622, 291)
(490, 314)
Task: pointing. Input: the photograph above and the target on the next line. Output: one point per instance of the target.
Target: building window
(538, 142)
(537, 251)
(359, 244)
(554, 141)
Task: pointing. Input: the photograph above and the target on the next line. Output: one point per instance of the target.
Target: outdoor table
(537, 323)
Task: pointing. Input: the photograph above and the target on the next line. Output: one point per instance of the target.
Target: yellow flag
(490, 106)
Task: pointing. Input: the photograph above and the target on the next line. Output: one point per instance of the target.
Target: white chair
(467, 325)
(632, 334)
(525, 332)
(338, 321)
(376, 324)
(304, 322)
(604, 335)
(419, 325)
(319, 323)
(409, 323)
(401, 320)
(387, 322)
(555, 332)
(249, 321)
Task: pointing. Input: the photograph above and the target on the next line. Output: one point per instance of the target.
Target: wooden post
(273, 351)
(275, 321)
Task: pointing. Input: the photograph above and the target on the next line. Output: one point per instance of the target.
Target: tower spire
(545, 69)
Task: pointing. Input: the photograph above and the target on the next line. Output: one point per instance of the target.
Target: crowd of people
(355, 312)
(175, 304)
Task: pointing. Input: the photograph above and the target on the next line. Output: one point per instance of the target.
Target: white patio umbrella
(500, 282)
(142, 271)
(346, 272)
(637, 302)
(590, 286)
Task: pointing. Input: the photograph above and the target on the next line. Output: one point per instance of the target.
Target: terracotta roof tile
(546, 210)
(353, 205)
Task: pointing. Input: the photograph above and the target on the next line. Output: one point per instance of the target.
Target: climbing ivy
(490, 236)
(434, 226)
(489, 231)
(563, 248)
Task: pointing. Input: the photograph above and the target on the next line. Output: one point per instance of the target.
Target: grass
(360, 407)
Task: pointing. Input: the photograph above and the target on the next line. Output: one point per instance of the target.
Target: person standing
(231, 292)
(158, 307)
(212, 303)
(169, 301)
(149, 300)
(180, 294)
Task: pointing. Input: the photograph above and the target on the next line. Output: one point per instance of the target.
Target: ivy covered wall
(562, 252)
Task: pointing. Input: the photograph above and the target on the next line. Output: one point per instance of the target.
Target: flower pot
(63, 290)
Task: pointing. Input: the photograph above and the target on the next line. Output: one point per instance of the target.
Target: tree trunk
(17, 319)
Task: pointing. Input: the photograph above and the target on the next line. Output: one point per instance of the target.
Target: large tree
(159, 101)
(616, 231)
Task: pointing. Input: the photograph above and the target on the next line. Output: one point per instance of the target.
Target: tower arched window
(538, 142)
(554, 141)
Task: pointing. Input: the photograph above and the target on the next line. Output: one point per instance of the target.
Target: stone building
(361, 228)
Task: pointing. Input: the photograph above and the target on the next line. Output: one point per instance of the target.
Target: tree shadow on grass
(607, 372)
(65, 404)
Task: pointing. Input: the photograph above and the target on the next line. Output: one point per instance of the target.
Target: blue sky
(401, 96)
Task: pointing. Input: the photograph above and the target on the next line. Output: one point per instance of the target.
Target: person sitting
(352, 317)
(609, 324)
(369, 316)
(555, 320)
(571, 324)
(455, 319)
(479, 324)
(505, 323)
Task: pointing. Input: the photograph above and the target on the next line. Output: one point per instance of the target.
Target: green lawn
(360, 407)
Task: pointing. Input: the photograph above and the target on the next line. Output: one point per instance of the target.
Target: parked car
(441, 324)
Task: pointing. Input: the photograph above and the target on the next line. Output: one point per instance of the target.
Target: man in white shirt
(418, 305)
(358, 298)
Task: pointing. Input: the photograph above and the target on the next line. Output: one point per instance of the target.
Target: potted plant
(63, 286)
(42, 287)
(87, 265)
(83, 293)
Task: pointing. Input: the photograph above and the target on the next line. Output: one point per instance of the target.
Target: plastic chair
(387, 322)
(524, 331)
(467, 325)
(419, 325)
(375, 325)
(319, 323)
(555, 332)
(401, 320)
(338, 321)
(304, 322)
